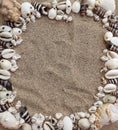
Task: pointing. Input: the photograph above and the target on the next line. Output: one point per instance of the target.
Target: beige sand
(59, 69)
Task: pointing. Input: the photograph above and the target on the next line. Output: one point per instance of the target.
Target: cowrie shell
(8, 53)
(4, 74)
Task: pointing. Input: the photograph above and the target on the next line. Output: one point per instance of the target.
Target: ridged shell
(8, 53)
(112, 63)
(110, 88)
(52, 13)
(76, 6)
(112, 54)
(84, 123)
(67, 123)
(109, 99)
(4, 74)
(111, 74)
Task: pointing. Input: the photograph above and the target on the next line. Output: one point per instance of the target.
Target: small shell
(58, 115)
(59, 17)
(5, 64)
(8, 53)
(109, 99)
(52, 13)
(16, 31)
(26, 127)
(5, 94)
(112, 54)
(5, 28)
(92, 109)
(6, 36)
(67, 123)
(112, 63)
(111, 74)
(4, 74)
(81, 114)
(76, 6)
(84, 123)
(68, 6)
(61, 5)
(92, 118)
(98, 103)
(48, 126)
(108, 36)
(110, 88)
(114, 41)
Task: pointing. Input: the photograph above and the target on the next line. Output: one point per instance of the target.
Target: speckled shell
(112, 74)
(76, 6)
(109, 88)
(84, 123)
(52, 13)
(8, 121)
(67, 123)
(109, 99)
(112, 63)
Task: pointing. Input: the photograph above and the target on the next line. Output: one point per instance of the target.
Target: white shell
(8, 53)
(109, 99)
(5, 64)
(52, 13)
(84, 123)
(4, 74)
(26, 127)
(59, 17)
(16, 31)
(92, 118)
(58, 115)
(5, 94)
(91, 3)
(67, 123)
(5, 28)
(114, 41)
(112, 54)
(111, 74)
(98, 103)
(92, 109)
(112, 63)
(76, 6)
(6, 36)
(8, 121)
(108, 35)
(68, 6)
(110, 88)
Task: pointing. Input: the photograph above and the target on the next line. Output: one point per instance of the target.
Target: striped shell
(110, 88)
(112, 74)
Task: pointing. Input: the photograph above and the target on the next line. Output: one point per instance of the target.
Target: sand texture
(59, 69)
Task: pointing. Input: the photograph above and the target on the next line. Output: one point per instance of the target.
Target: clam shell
(112, 54)
(110, 88)
(4, 74)
(84, 123)
(6, 36)
(52, 13)
(111, 74)
(8, 53)
(67, 123)
(109, 99)
(76, 6)
(112, 63)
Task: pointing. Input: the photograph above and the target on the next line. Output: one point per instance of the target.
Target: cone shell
(112, 74)
(112, 63)
(109, 88)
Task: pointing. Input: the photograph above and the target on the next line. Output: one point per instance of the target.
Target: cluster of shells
(14, 115)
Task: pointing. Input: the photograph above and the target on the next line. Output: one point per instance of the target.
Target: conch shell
(106, 114)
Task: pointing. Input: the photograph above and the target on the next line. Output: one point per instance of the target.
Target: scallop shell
(109, 88)
(112, 63)
(112, 54)
(111, 74)
(109, 99)
(76, 6)
(8, 53)
(67, 123)
(84, 123)
(8, 121)
(52, 13)
(4, 74)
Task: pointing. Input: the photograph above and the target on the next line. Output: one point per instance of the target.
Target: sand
(59, 69)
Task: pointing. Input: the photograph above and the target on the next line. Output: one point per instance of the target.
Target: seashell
(111, 5)
(59, 17)
(6, 106)
(108, 35)
(8, 53)
(114, 41)
(112, 63)
(18, 105)
(72, 117)
(100, 89)
(6, 36)
(26, 127)
(81, 114)
(111, 74)
(5, 94)
(4, 74)
(58, 115)
(61, 5)
(48, 126)
(93, 127)
(68, 6)
(92, 118)
(112, 54)
(16, 31)
(5, 64)
(8, 121)
(76, 6)
(5, 28)
(6, 84)
(110, 88)
(84, 123)
(67, 123)
(98, 103)
(115, 94)
(109, 99)
(60, 124)
(83, 8)
(92, 109)
(52, 13)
